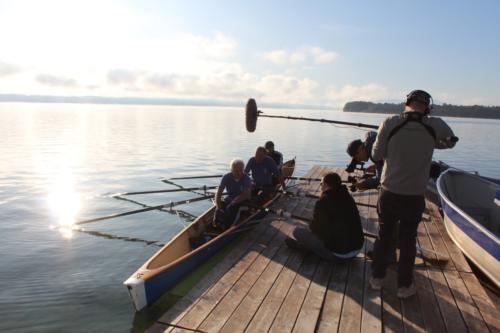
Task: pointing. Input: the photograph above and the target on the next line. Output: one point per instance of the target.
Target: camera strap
(412, 117)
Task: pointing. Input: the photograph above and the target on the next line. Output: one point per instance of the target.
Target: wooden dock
(262, 285)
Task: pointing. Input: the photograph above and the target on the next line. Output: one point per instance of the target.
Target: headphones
(421, 96)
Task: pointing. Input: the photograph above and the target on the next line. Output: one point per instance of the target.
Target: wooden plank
(350, 319)
(392, 318)
(466, 305)
(413, 320)
(371, 318)
(448, 308)
(181, 307)
(456, 255)
(334, 299)
(313, 302)
(464, 301)
(431, 314)
(223, 310)
(263, 318)
(438, 243)
(487, 309)
(206, 302)
(285, 319)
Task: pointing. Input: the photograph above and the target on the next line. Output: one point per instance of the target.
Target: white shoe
(405, 292)
(375, 283)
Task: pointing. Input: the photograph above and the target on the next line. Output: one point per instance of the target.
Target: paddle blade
(251, 115)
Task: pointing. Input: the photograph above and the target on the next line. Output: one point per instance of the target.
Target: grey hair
(235, 162)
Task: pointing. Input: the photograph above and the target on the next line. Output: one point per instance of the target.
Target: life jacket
(412, 117)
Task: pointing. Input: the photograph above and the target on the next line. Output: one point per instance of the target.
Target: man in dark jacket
(335, 231)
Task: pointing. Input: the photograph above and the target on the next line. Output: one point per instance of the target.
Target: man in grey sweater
(405, 143)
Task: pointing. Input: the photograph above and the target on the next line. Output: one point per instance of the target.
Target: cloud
(56, 81)
(311, 54)
(123, 76)
(8, 69)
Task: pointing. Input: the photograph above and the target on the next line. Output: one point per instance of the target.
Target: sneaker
(405, 292)
(376, 283)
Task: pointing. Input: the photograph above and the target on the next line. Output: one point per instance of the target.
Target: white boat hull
(472, 219)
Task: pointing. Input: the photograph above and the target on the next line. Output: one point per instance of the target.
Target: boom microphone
(251, 115)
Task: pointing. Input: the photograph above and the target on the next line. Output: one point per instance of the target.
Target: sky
(297, 52)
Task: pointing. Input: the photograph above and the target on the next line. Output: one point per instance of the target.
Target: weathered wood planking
(264, 286)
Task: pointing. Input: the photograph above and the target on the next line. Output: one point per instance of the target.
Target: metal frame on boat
(177, 258)
(476, 240)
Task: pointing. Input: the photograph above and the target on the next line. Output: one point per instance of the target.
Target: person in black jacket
(335, 231)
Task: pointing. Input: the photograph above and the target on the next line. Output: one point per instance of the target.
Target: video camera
(354, 166)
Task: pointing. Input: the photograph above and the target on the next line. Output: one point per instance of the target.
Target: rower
(263, 169)
(238, 186)
(274, 154)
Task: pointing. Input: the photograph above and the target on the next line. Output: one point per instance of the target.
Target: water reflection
(65, 203)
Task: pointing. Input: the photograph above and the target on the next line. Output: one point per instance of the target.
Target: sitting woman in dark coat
(335, 231)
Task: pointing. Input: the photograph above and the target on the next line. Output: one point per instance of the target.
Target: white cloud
(123, 76)
(56, 81)
(310, 54)
(8, 69)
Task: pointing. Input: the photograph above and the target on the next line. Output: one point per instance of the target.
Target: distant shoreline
(444, 110)
(15, 98)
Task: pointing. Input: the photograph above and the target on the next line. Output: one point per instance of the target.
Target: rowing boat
(181, 255)
(472, 218)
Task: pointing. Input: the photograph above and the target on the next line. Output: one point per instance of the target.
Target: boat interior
(476, 197)
(201, 230)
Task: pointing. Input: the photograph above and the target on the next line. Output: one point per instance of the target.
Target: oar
(187, 216)
(116, 237)
(427, 254)
(304, 178)
(196, 177)
(308, 195)
(186, 189)
(180, 186)
(168, 205)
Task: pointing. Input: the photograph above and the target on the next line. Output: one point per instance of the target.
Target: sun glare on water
(64, 202)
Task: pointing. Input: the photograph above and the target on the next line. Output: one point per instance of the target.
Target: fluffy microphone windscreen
(251, 114)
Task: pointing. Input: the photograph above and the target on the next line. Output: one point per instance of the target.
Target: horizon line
(103, 100)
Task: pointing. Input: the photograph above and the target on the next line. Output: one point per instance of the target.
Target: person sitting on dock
(263, 169)
(274, 154)
(335, 232)
(360, 151)
(238, 186)
(405, 143)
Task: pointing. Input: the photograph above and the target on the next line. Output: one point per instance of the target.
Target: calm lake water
(58, 160)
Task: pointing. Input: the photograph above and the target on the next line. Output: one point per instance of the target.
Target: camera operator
(360, 152)
(405, 143)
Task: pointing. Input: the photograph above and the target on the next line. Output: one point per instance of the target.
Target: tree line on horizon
(442, 110)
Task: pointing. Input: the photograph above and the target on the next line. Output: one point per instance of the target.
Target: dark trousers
(262, 194)
(407, 209)
(226, 216)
